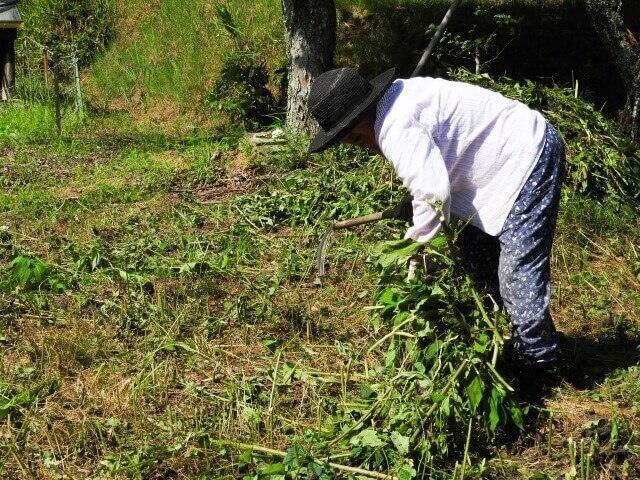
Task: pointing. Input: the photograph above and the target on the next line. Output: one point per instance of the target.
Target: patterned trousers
(515, 265)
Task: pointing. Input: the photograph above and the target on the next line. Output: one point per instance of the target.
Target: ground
(162, 298)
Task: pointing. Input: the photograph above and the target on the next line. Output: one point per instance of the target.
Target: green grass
(168, 301)
(171, 54)
(27, 124)
(166, 58)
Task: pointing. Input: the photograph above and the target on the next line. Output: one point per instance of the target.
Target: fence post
(56, 90)
(46, 69)
(76, 71)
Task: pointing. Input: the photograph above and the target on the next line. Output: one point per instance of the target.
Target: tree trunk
(310, 32)
(617, 23)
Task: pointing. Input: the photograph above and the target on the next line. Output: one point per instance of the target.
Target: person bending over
(484, 159)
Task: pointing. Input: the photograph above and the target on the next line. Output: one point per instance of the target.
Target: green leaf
(613, 439)
(474, 392)
(293, 456)
(446, 407)
(390, 357)
(315, 468)
(517, 416)
(480, 345)
(24, 399)
(273, 469)
(270, 344)
(437, 397)
(432, 349)
(494, 414)
(438, 241)
(400, 442)
(367, 438)
(592, 424)
(366, 392)
(419, 367)
(288, 372)
(245, 458)
(389, 297)
(407, 472)
(396, 252)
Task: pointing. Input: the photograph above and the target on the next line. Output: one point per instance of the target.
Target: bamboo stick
(281, 454)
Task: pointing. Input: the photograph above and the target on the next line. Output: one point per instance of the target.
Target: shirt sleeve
(410, 148)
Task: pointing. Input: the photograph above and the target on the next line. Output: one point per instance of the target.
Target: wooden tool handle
(353, 222)
(373, 217)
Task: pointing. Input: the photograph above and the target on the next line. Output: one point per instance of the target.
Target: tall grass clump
(242, 90)
(20, 124)
(83, 28)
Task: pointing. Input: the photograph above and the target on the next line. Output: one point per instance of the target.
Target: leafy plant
(11, 402)
(488, 36)
(600, 160)
(29, 274)
(438, 391)
(242, 88)
(81, 27)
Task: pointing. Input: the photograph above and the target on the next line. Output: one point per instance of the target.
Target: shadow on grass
(587, 361)
(584, 363)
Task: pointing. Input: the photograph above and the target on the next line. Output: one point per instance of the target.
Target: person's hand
(404, 209)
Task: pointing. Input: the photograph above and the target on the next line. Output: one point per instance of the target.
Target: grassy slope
(166, 56)
(180, 255)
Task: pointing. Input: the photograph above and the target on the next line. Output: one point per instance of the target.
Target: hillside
(166, 60)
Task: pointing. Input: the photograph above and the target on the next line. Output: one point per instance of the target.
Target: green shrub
(72, 29)
(242, 88)
(67, 26)
(601, 161)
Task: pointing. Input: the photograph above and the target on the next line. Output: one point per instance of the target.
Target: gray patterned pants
(515, 265)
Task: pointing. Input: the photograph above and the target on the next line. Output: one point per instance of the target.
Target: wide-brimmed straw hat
(338, 99)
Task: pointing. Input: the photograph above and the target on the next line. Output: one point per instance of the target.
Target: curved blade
(322, 250)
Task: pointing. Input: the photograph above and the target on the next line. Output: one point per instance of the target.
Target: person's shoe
(532, 379)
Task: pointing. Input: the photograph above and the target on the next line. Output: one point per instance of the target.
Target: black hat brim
(325, 139)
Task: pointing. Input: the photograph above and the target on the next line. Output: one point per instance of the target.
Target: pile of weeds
(433, 397)
(430, 401)
(601, 162)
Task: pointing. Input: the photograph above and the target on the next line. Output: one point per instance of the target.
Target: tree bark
(310, 33)
(617, 23)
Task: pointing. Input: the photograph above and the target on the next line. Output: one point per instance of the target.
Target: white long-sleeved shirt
(456, 143)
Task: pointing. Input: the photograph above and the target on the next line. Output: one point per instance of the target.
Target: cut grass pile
(601, 162)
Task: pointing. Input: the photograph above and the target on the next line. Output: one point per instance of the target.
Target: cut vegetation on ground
(160, 314)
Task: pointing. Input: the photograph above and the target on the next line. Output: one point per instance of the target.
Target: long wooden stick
(436, 38)
(281, 454)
